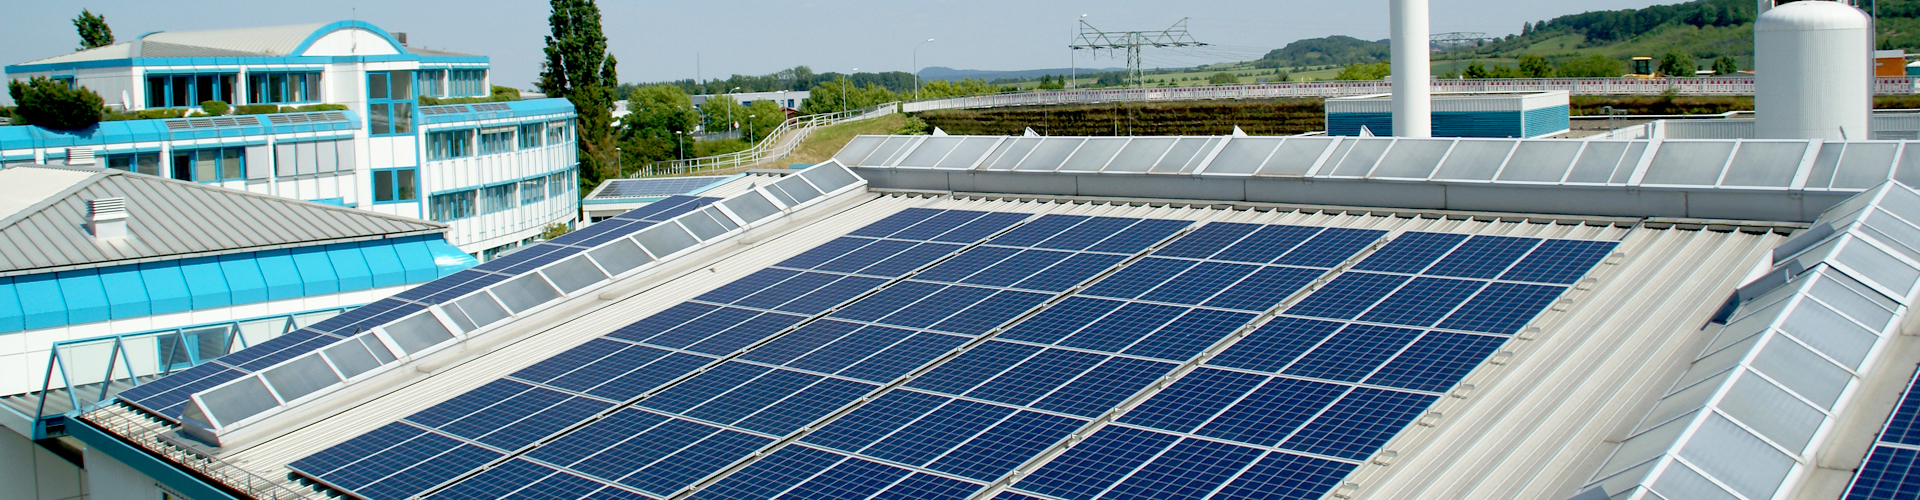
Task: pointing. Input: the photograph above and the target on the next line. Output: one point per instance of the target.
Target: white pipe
(1412, 70)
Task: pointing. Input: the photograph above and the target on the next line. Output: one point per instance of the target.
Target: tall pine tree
(579, 69)
(93, 30)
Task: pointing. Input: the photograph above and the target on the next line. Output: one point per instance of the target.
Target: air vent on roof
(305, 118)
(80, 156)
(107, 217)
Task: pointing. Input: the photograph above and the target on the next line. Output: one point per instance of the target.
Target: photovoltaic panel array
(664, 350)
(1292, 408)
(169, 395)
(906, 361)
(1892, 470)
(662, 186)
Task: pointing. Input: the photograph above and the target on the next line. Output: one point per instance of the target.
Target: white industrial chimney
(1412, 70)
(1813, 72)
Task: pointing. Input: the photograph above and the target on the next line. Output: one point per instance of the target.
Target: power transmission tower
(1458, 39)
(1092, 38)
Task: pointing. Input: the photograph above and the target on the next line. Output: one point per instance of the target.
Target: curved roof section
(169, 220)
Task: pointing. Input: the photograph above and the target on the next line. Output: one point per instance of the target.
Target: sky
(660, 40)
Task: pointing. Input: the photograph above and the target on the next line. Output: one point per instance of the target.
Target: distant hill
(945, 73)
(1334, 50)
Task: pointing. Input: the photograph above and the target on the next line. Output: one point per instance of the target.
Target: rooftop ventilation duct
(80, 156)
(107, 217)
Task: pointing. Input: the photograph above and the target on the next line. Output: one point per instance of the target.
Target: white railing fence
(777, 144)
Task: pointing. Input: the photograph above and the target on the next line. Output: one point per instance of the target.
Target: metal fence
(774, 146)
(154, 437)
(1731, 86)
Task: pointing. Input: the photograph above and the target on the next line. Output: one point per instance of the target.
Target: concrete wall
(29, 472)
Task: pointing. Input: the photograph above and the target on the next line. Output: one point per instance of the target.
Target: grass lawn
(823, 143)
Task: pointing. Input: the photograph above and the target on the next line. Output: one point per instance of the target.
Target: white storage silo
(1813, 67)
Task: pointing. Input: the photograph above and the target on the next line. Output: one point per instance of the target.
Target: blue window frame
(533, 190)
(145, 163)
(396, 185)
(210, 164)
(390, 102)
(187, 90)
(494, 141)
(559, 184)
(448, 207)
(449, 144)
(531, 135)
(433, 82)
(280, 87)
(467, 82)
(497, 198)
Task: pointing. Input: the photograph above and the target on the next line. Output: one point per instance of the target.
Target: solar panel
(1294, 406)
(809, 349)
(663, 186)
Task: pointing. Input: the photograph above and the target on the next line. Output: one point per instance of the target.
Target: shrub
(257, 109)
(215, 108)
(51, 105)
(314, 107)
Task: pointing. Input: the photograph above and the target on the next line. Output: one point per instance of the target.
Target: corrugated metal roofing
(261, 40)
(171, 219)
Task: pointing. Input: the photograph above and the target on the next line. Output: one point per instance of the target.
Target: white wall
(29, 472)
(108, 478)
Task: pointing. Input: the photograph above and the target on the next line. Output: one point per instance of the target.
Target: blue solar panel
(1208, 240)
(894, 223)
(1410, 253)
(1889, 473)
(1199, 283)
(1359, 423)
(1097, 463)
(1502, 308)
(1483, 257)
(1331, 247)
(663, 186)
(1194, 400)
(1422, 301)
(1348, 295)
(1139, 277)
(999, 449)
(1037, 230)
(1267, 244)
(1011, 398)
(1191, 469)
(1436, 362)
(770, 476)
(1283, 475)
(1140, 236)
(1087, 233)
(1353, 353)
(845, 352)
(1559, 261)
(937, 225)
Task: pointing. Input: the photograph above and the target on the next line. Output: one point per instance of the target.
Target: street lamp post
(916, 68)
(843, 91)
(681, 135)
(750, 126)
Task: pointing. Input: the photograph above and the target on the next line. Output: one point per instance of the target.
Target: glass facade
(390, 102)
(189, 90)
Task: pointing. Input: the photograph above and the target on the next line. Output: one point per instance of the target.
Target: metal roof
(259, 40)
(170, 220)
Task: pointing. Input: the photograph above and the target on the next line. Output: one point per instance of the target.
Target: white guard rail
(770, 148)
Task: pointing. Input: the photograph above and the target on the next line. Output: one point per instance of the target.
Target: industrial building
(497, 173)
(1075, 318)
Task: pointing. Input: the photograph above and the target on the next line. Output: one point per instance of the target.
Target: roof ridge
(278, 199)
(38, 206)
